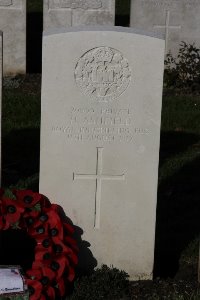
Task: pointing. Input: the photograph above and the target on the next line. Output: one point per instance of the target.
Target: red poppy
(31, 213)
(35, 289)
(45, 202)
(39, 271)
(52, 212)
(58, 265)
(61, 286)
(43, 242)
(34, 273)
(27, 198)
(44, 275)
(55, 252)
(30, 218)
(42, 218)
(71, 242)
(60, 247)
(55, 224)
(40, 247)
(39, 231)
(47, 272)
(51, 292)
(43, 255)
(71, 274)
(69, 228)
(13, 210)
(3, 224)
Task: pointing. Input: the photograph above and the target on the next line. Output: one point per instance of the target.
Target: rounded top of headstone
(103, 28)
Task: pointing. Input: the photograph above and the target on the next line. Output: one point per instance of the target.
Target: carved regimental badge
(103, 73)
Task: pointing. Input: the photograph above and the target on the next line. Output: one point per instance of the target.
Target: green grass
(20, 113)
(21, 133)
(178, 190)
(180, 133)
(181, 114)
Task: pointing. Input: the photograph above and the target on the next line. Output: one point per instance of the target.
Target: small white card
(11, 281)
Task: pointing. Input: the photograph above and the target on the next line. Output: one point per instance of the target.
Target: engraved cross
(167, 28)
(98, 177)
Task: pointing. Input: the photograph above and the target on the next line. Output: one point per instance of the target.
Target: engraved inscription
(74, 4)
(98, 177)
(6, 2)
(108, 125)
(103, 73)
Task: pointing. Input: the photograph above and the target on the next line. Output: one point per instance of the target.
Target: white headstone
(65, 13)
(100, 129)
(177, 19)
(13, 26)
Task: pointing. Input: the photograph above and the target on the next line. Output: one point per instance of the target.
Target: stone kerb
(100, 129)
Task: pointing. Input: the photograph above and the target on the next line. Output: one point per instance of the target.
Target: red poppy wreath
(55, 251)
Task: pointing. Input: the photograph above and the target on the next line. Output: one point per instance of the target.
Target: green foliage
(28, 109)
(181, 114)
(24, 296)
(183, 72)
(105, 283)
(12, 82)
(192, 251)
(27, 183)
(194, 296)
(20, 131)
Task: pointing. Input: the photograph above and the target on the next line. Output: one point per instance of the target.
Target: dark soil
(184, 286)
(163, 289)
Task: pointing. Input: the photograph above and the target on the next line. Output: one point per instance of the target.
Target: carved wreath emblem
(103, 73)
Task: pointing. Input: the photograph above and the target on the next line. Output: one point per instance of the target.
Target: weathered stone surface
(100, 128)
(177, 19)
(13, 26)
(64, 13)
